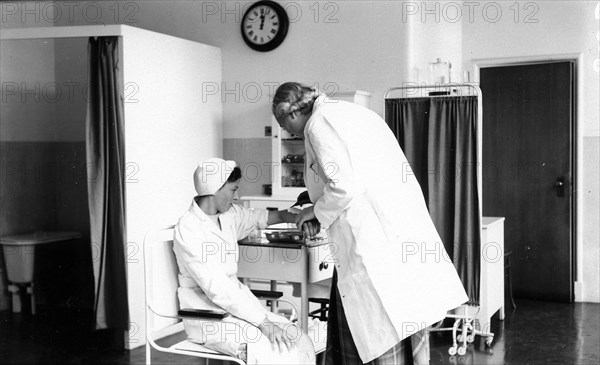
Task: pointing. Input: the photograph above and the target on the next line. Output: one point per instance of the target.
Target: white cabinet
(288, 151)
(491, 293)
(357, 96)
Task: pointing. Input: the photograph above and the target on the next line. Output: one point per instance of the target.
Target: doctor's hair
(293, 96)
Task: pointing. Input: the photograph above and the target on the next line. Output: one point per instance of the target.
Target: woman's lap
(236, 337)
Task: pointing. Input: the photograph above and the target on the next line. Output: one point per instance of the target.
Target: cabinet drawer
(320, 264)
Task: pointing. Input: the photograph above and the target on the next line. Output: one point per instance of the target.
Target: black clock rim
(279, 37)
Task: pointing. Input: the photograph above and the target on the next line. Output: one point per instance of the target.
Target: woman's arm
(281, 216)
(309, 225)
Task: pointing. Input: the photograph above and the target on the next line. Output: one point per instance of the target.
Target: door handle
(560, 187)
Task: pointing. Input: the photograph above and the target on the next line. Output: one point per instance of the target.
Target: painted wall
(542, 29)
(167, 132)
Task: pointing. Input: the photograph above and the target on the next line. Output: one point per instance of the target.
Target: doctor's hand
(311, 228)
(303, 217)
(276, 334)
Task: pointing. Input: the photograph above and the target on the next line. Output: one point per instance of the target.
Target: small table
(19, 254)
(291, 262)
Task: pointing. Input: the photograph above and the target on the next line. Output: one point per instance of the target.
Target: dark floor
(535, 333)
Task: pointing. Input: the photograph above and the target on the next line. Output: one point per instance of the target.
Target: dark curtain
(106, 188)
(439, 138)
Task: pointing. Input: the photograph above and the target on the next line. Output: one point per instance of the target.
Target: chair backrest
(161, 281)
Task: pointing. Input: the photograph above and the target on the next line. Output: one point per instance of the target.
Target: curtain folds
(105, 149)
(439, 138)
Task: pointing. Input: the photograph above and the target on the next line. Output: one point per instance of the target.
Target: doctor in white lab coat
(394, 277)
(207, 252)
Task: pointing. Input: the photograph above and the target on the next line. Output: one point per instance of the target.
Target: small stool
(507, 255)
(320, 313)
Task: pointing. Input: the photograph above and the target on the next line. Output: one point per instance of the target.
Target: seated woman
(205, 244)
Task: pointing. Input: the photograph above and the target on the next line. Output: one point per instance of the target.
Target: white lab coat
(207, 259)
(394, 275)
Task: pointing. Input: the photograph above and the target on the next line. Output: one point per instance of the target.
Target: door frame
(577, 148)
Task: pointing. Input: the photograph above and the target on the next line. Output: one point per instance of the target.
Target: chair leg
(16, 298)
(148, 353)
(31, 292)
(323, 316)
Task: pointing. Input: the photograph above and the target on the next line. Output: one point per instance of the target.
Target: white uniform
(207, 258)
(394, 275)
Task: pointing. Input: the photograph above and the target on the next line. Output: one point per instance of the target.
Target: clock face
(264, 26)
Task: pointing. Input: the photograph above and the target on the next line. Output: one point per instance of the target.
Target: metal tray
(285, 237)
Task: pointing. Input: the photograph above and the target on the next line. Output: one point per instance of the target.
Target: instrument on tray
(288, 235)
(284, 236)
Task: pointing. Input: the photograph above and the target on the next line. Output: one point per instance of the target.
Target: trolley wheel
(452, 351)
(489, 340)
(471, 338)
(459, 338)
(462, 350)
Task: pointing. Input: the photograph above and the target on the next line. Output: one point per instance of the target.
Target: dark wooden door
(527, 172)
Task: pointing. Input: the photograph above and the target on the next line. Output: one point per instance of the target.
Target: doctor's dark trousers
(341, 349)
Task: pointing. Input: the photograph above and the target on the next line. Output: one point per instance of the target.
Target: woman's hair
(236, 174)
(293, 96)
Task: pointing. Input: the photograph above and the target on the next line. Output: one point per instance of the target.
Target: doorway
(528, 172)
(43, 188)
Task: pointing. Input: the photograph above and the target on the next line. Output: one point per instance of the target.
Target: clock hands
(264, 25)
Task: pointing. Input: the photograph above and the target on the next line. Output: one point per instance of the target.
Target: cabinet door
(288, 151)
(288, 163)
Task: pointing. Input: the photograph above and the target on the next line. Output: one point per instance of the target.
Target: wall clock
(265, 25)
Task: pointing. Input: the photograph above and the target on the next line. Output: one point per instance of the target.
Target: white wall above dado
(541, 30)
(337, 49)
(365, 45)
(44, 90)
(26, 71)
(336, 45)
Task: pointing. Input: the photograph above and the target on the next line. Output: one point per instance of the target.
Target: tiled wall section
(253, 155)
(591, 231)
(44, 187)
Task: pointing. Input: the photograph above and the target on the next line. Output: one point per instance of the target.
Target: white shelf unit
(288, 151)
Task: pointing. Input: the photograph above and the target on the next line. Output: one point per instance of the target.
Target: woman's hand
(276, 335)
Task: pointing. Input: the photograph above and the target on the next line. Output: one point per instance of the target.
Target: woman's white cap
(211, 174)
